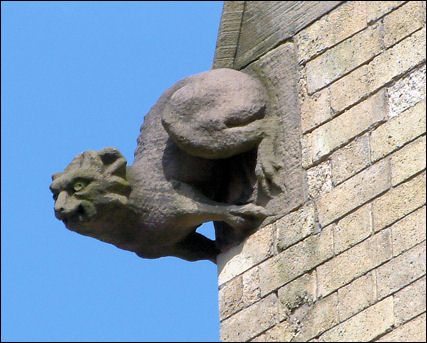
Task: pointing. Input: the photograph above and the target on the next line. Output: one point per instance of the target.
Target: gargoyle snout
(64, 205)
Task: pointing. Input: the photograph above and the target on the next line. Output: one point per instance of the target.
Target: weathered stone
(353, 228)
(319, 179)
(296, 226)
(410, 301)
(354, 262)
(401, 270)
(251, 290)
(350, 159)
(402, 22)
(398, 131)
(262, 25)
(282, 332)
(228, 34)
(366, 79)
(314, 319)
(413, 331)
(356, 296)
(354, 80)
(332, 28)
(306, 150)
(278, 71)
(407, 91)
(295, 261)
(409, 231)
(297, 293)
(251, 321)
(364, 326)
(349, 89)
(344, 57)
(354, 192)
(315, 109)
(353, 89)
(230, 297)
(247, 254)
(408, 161)
(399, 201)
(397, 60)
(154, 207)
(377, 9)
(351, 123)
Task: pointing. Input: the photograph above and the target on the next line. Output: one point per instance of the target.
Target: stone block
(278, 71)
(407, 91)
(350, 159)
(282, 332)
(413, 331)
(343, 58)
(332, 28)
(402, 22)
(296, 226)
(398, 131)
(354, 192)
(256, 248)
(299, 292)
(314, 319)
(410, 301)
(408, 161)
(230, 297)
(228, 35)
(353, 228)
(364, 326)
(349, 89)
(319, 179)
(225, 39)
(263, 26)
(354, 262)
(399, 201)
(251, 321)
(359, 83)
(397, 60)
(345, 127)
(251, 290)
(306, 150)
(356, 296)
(315, 110)
(377, 9)
(409, 231)
(295, 261)
(401, 270)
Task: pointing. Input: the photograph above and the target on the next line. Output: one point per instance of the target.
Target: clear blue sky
(78, 76)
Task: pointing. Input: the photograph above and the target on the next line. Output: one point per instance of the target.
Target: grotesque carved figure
(197, 160)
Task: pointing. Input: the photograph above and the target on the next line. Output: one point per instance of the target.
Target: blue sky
(78, 76)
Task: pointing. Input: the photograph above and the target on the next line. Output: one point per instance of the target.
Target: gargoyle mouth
(82, 214)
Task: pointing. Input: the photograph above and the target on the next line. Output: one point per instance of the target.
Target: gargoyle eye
(78, 186)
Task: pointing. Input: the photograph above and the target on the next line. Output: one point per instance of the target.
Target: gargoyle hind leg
(242, 218)
(195, 247)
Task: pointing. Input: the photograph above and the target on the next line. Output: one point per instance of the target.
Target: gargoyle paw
(267, 173)
(246, 216)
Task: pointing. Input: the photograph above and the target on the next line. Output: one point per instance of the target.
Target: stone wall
(346, 262)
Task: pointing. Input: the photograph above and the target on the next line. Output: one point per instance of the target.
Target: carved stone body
(196, 161)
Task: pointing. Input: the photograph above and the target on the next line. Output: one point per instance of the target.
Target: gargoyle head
(91, 189)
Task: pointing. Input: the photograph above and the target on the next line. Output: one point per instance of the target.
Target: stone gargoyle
(197, 160)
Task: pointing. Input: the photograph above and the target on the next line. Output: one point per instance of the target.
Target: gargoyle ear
(55, 176)
(114, 162)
